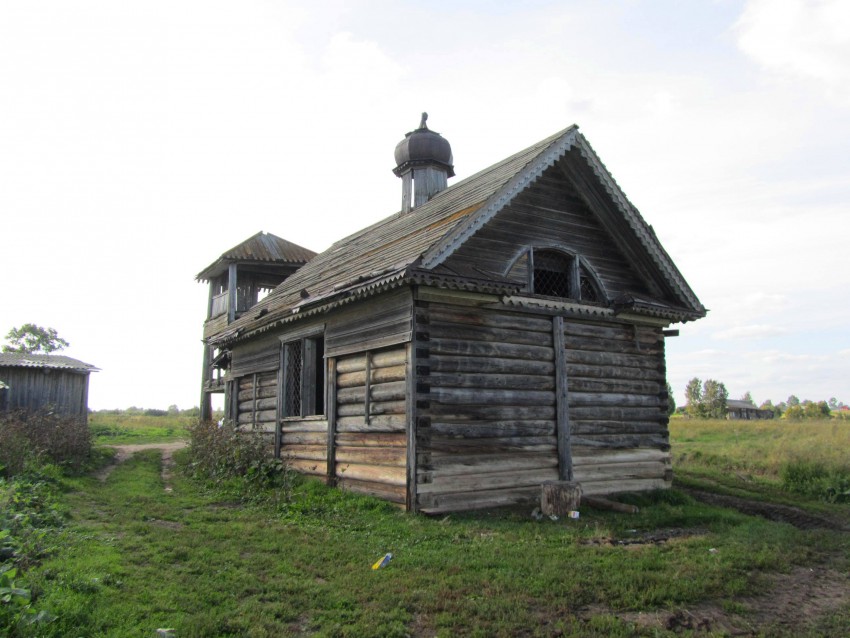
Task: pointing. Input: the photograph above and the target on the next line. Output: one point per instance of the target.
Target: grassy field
(118, 429)
(136, 557)
(809, 458)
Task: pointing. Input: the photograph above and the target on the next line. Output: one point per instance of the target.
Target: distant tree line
(709, 400)
(172, 410)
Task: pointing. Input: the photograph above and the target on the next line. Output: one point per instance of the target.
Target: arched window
(557, 274)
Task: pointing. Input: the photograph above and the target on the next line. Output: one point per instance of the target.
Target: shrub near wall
(43, 435)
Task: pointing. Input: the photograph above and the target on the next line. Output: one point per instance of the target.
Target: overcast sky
(139, 140)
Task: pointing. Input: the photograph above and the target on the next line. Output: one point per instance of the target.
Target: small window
(304, 377)
(556, 274)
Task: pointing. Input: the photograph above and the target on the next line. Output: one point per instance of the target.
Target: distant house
(490, 336)
(740, 409)
(35, 381)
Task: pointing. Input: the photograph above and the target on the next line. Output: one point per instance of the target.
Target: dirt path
(771, 511)
(124, 452)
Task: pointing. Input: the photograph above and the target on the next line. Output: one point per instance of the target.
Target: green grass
(136, 558)
(118, 429)
(803, 457)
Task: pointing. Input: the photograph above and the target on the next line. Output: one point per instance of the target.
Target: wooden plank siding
(549, 213)
(370, 442)
(63, 391)
(618, 407)
(486, 431)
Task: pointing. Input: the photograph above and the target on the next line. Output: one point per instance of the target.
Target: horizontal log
(288, 439)
(383, 359)
(595, 488)
(492, 429)
(582, 413)
(349, 396)
(487, 349)
(379, 375)
(383, 423)
(264, 379)
(395, 391)
(615, 347)
(465, 501)
(616, 427)
(305, 466)
(618, 441)
(465, 396)
(454, 363)
(369, 439)
(441, 313)
(582, 399)
(393, 456)
(523, 444)
(430, 468)
(375, 473)
(261, 404)
(599, 503)
(609, 332)
(648, 362)
(451, 332)
(262, 393)
(375, 408)
(500, 381)
(262, 415)
(306, 453)
(494, 480)
(623, 386)
(620, 471)
(462, 414)
(391, 493)
(595, 456)
(304, 426)
(611, 372)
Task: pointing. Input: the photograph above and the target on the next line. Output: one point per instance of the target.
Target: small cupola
(424, 163)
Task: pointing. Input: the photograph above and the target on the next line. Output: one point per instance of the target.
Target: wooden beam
(562, 408)
(412, 415)
(231, 293)
(330, 385)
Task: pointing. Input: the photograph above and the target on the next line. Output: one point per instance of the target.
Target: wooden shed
(36, 381)
(492, 335)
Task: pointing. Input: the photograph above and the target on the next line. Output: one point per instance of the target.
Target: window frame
(312, 373)
(579, 269)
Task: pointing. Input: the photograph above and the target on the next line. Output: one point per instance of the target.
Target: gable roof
(260, 248)
(411, 245)
(52, 361)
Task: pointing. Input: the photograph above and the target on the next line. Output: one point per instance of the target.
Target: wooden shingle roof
(416, 242)
(260, 248)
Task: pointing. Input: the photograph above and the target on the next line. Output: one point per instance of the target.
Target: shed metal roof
(52, 361)
(406, 244)
(260, 248)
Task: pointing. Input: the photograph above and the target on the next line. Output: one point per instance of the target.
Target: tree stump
(559, 498)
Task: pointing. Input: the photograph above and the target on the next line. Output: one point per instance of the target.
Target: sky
(140, 140)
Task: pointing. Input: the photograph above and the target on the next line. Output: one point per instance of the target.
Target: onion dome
(423, 147)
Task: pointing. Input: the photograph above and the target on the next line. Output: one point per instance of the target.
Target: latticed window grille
(588, 289)
(292, 379)
(552, 274)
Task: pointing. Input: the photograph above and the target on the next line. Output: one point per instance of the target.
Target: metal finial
(422, 124)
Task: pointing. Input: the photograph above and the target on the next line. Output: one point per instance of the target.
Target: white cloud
(753, 331)
(803, 39)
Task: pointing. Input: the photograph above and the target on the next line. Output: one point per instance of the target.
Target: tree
(714, 397)
(832, 403)
(748, 397)
(793, 401)
(32, 339)
(693, 395)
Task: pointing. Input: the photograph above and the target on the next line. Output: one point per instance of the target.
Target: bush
(43, 435)
(221, 453)
(813, 478)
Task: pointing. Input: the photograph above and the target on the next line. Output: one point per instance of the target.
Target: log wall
(370, 441)
(617, 407)
(486, 407)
